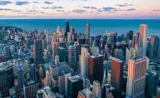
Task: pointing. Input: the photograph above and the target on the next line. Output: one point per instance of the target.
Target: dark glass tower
(75, 84)
(117, 76)
(32, 73)
(95, 64)
(6, 78)
(67, 28)
(38, 52)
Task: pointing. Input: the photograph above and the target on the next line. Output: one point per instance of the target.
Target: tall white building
(58, 29)
(69, 37)
(136, 78)
(128, 55)
(96, 89)
(72, 56)
(84, 62)
(144, 32)
(56, 59)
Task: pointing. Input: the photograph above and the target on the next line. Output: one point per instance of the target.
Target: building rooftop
(117, 59)
(75, 78)
(5, 66)
(64, 68)
(97, 82)
(84, 92)
(30, 82)
(71, 47)
(109, 87)
(94, 56)
(48, 93)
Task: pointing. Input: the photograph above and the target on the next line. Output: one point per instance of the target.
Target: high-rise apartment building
(30, 88)
(84, 62)
(136, 77)
(144, 32)
(96, 89)
(72, 56)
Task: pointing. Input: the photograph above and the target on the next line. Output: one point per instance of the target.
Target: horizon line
(83, 18)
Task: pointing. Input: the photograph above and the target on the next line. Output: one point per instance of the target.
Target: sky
(77, 9)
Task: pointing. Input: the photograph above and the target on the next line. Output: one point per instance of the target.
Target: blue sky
(124, 9)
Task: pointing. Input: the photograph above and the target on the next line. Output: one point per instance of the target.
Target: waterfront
(98, 26)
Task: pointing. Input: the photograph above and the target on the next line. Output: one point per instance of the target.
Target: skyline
(79, 9)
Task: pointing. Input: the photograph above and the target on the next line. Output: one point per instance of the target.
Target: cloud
(86, 7)
(60, 10)
(89, 7)
(8, 9)
(35, 1)
(109, 9)
(57, 7)
(22, 2)
(5, 9)
(124, 5)
(53, 7)
(92, 7)
(5, 2)
(131, 9)
(32, 11)
(80, 11)
(113, 9)
(100, 10)
(45, 7)
(47, 2)
(156, 10)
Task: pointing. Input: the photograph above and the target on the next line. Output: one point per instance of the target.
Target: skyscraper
(137, 39)
(144, 32)
(38, 52)
(154, 45)
(87, 30)
(32, 72)
(136, 77)
(117, 76)
(54, 48)
(62, 52)
(96, 89)
(56, 59)
(72, 30)
(20, 76)
(67, 28)
(46, 92)
(30, 88)
(151, 84)
(84, 62)
(7, 52)
(47, 80)
(6, 78)
(95, 64)
(75, 84)
(105, 73)
(128, 55)
(72, 56)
